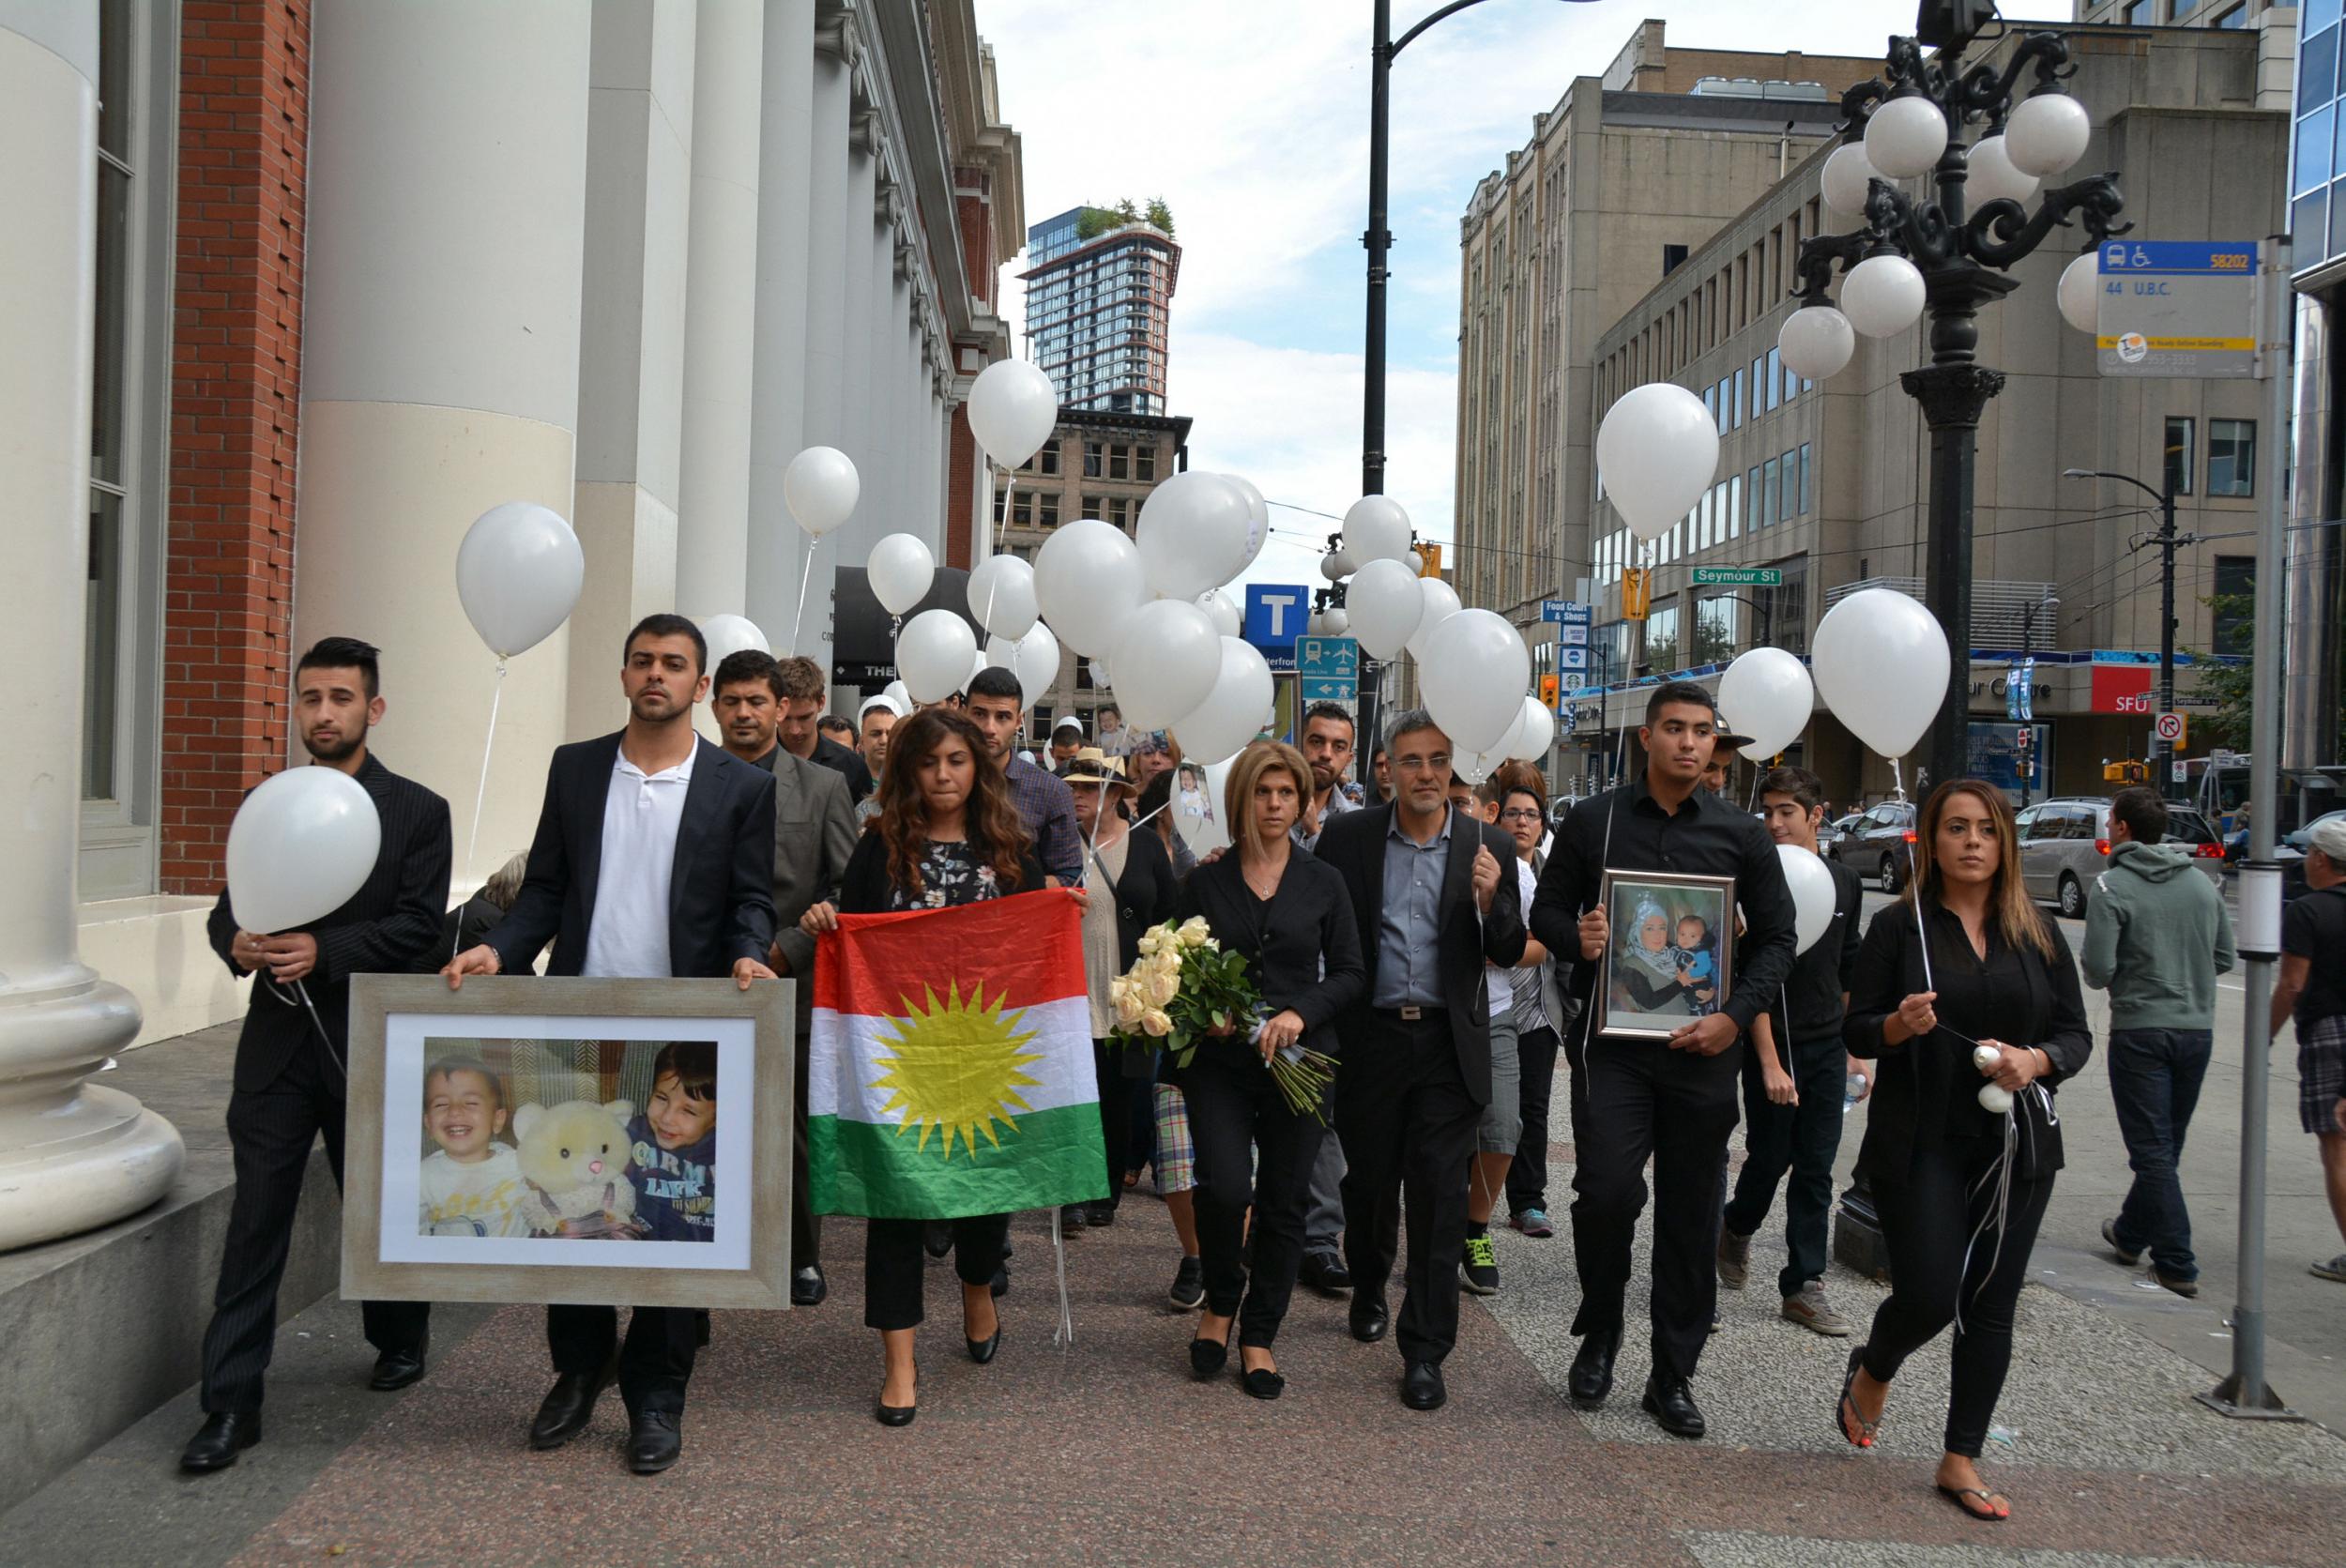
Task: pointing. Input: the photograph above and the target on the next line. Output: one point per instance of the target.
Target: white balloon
(1439, 601)
(1766, 693)
(1336, 566)
(1848, 179)
(1535, 732)
(1817, 341)
(1033, 659)
(1101, 678)
(1193, 534)
(1905, 136)
(1375, 529)
(2080, 293)
(1415, 561)
(1881, 663)
(1166, 662)
(300, 847)
(1992, 177)
(897, 693)
(1087, 581)
(1474, 766)
(1472, 671)
(1657, 452)
(2046, 133)
(518, 574)
(1198, 815)
(1002, 596)
(727, 635)
(978, 663)
(1386, 605)
(1334, 622)
(1994, 1099)
(1259, 511)
(820, 488)
(1229, 618)
(900, 571)
(1812, 893)
(1986, 1058)
(1012, 411)
(1882, 295)
(934, 653)
(1233, 712)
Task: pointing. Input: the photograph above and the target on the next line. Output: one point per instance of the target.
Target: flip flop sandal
(1845, 1409)
(1956, 1494)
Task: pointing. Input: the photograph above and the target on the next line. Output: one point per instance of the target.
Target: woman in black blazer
(946, 834)
(1136, 876)
(1293, 919)
(1959, 1199)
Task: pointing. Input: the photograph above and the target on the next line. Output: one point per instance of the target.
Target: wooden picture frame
(688, 1240)
(1647, 991)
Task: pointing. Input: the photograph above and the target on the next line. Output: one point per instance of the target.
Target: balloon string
(993, 580)
(806, 573)
(488, 747)
(1914, 874)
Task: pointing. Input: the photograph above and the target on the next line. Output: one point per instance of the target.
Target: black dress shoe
(1209, 1356)
(1420, 1386)
(1592, 1369)
(1262, 1382)
(654, 1441)
(1325, 1272)
(1369, 1316)
(223, 1435)
(1672, 1403)
(808, 1288)
(398, 1369)
(569, 1405)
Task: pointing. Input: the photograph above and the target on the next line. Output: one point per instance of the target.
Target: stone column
(72, 1155)
(778, 401)
(448, 172)
(825, 421)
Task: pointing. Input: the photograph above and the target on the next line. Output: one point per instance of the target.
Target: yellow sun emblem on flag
(957, 1068)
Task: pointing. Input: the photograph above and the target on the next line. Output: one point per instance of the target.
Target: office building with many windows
(1100, 285)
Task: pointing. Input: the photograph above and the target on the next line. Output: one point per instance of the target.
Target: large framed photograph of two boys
(1671, 954)
(550, 1139)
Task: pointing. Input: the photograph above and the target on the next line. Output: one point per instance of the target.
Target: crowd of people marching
(1439, 939)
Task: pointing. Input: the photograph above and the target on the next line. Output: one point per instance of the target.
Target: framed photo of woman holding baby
(1672, 956)
(556, 1139)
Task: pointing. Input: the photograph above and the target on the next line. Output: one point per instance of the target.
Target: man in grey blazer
(815, 832)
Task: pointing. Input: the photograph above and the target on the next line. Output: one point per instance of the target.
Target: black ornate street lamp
(1946, 252)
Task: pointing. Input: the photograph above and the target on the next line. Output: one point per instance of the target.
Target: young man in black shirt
(1672, 1101)
(2313, 938)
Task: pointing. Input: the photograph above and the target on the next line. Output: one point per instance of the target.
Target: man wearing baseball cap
(1067, 739)
(2312, 990)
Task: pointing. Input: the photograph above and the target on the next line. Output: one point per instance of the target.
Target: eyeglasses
(1524, 814)
(1436, 764)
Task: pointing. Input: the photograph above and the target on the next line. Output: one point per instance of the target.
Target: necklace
(1256, 881)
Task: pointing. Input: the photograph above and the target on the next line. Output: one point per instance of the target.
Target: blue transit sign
(1276, 614)
(1328, 669)
(1566, 612)
(2177, 307)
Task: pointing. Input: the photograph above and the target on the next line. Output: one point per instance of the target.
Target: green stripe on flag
(1052, 1157)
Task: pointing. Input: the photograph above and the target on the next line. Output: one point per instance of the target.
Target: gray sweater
(2156, 935)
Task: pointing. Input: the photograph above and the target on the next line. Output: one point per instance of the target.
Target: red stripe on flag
(1030, 944)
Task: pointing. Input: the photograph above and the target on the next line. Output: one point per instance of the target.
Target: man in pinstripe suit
(290, 1083)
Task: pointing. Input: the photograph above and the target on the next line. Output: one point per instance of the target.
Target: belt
(1409, 1013)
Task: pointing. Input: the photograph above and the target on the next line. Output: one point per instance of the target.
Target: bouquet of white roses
(1184, 986)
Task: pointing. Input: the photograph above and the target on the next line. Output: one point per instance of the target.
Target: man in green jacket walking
(2156, 935)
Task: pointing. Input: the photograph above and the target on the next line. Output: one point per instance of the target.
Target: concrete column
(778, 423)
(852, 391)
(824, 398)
(72, 1155)
(447, 167)
(878, 341)
(721, 291)
(630, 349)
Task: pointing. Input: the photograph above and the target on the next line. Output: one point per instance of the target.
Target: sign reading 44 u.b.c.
(2178, 308)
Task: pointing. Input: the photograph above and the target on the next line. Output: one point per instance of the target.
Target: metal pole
(1380, 240)
(2244, 1393)
(2163, 750)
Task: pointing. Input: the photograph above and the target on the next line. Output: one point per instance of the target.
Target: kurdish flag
(950, 1071)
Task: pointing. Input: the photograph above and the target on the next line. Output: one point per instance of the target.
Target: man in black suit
(801, 733)
(654, 857)
(290, 1084)
(815, 832)
(1433, 908)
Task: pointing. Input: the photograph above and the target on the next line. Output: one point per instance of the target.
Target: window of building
(1721, 395)
(1739, 402)
(1046, 509)
(1711, 401)
(1144, 462)
(2179, 452)
(2236, 17)
(2231, 457)
(1119, 462)
(1715, 633)
(2136, 13)
(1095, 462)
(1777, 394)
(1771, 491)
(1673, 256)
(1759, 403)
(1046, 461)
(1660, 638)
(1807, 496)
(2235, 604)
(1734, 508)
(1783, 610)
(1752, 479)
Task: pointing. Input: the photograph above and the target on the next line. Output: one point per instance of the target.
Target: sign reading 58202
(2177, 307)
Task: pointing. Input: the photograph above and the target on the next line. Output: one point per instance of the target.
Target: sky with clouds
(1250, 118)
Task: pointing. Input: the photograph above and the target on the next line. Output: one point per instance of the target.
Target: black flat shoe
(569, 1405)
(1591, 1376)
(1209, 1356)
(1369, 1316)
(981, 1350)
(655, 1440)
(216, 1445)
(1421, 1386)
(808, 1288)
(398, 1369)
(1262, 1382)
(901, 1415)
(1672, 1403)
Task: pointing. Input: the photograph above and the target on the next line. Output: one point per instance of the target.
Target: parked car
(2065, 844)
(1834, 833)
(1876, 843)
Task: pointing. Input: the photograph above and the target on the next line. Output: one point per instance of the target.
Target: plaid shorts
(2320, 1073)
(1177, 1152)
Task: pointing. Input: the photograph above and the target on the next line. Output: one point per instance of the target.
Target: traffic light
(2125, 772)
(1636, 592)
(1429, 551)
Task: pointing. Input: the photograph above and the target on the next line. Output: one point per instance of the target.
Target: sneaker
(2335, 1268)
(1189, 1285)
(1811, 1311)
(2175, 1283)
(1734, 1258)
(2118, 1249)
(1532, 1223)
(1478, 1271)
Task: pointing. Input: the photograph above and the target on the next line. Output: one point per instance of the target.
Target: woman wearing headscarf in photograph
(1645, 965)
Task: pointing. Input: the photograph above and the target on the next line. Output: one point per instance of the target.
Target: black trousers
(1408, 1122)
(1118, 1096)
(1527, 1178)
(1801, 1139)
(806, 1229)
(893, 1260)
(655, 1363)
(1251, 1150)
(270, 1132)
(1930, 1208)
(1646, 1101)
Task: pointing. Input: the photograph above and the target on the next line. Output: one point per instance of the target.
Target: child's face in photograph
(678, 1121)
(462, 1114)
(1691, 931)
